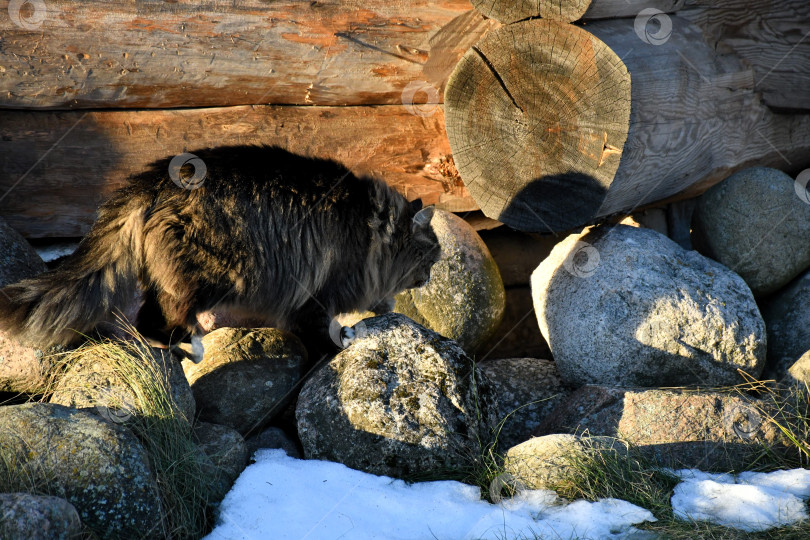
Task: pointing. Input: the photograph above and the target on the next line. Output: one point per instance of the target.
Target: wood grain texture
(537, 113)
(772, 37)
(162, 54)
(57, 167)
(509, 11)
(695, 118)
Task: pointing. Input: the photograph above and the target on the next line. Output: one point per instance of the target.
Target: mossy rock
(465, 298)
(99, 467)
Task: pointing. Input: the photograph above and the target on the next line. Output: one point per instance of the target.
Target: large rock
(226, 448)
(464, 299)
(25, 368)
(787, 317)
(526, 390)
(799, 372)
(400, 401)
(38, 517)
(627, 306)
(98, 466)
(691, 429)
(18, 260)
(754, 223)
(246, 376)
(95, 380)
(552, 461)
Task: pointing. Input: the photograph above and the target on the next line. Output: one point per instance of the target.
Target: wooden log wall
(91, 91)
(554, 126)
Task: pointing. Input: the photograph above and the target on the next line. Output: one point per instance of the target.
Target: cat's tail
(100, 277)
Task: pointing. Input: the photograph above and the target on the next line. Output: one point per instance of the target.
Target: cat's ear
(421, 219)
(416, 205)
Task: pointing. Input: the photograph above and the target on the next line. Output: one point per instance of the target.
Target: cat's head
(421, 251)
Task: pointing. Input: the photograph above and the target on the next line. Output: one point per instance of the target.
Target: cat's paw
(347, 336)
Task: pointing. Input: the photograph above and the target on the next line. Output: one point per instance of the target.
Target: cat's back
(251, 173)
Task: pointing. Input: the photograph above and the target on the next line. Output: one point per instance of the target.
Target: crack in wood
(353, 39)
(497, 77)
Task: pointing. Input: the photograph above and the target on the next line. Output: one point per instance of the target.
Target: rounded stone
(99, 467)
(18, 260)
(675, 428)
(226, 448)
(526, 390)
(550, 461)
(38, 517)
(464, 299)
(400, 401)
(627, 306)
(93, 381)
(246, 376)
(787, 318)
(755, 223)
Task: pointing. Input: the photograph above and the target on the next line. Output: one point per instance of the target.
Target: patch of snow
(795, 481)
(751, 502)
(54, 251)
(284, 498)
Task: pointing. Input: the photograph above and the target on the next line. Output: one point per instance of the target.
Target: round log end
(509, 11)
(537, 114)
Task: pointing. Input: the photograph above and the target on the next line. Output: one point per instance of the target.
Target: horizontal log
(696, 117)
(540, 134)
(509, 11)
(57, 167)
(773, 38)
(166, 54)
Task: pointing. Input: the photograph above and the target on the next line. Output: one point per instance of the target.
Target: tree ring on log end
(509, 11)
(537, 114)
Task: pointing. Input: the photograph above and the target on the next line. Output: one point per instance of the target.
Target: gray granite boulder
(23, 367)
(627, 306)
(93, 380)
(401, 400)
(799, 372)
(18, 260)
(526, 390)
(38, 517)
(550, 461)
(754, 223)
(226, 448)
(464, 299)
(98, 466)
(787, 317)
(247, 375)
(675, 428)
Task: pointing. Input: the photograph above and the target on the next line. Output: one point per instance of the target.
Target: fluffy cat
(265, 234)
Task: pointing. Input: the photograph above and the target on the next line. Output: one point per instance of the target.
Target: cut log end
(537, 114)
(509, 11)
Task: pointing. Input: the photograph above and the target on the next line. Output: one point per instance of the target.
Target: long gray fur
(269, 234)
